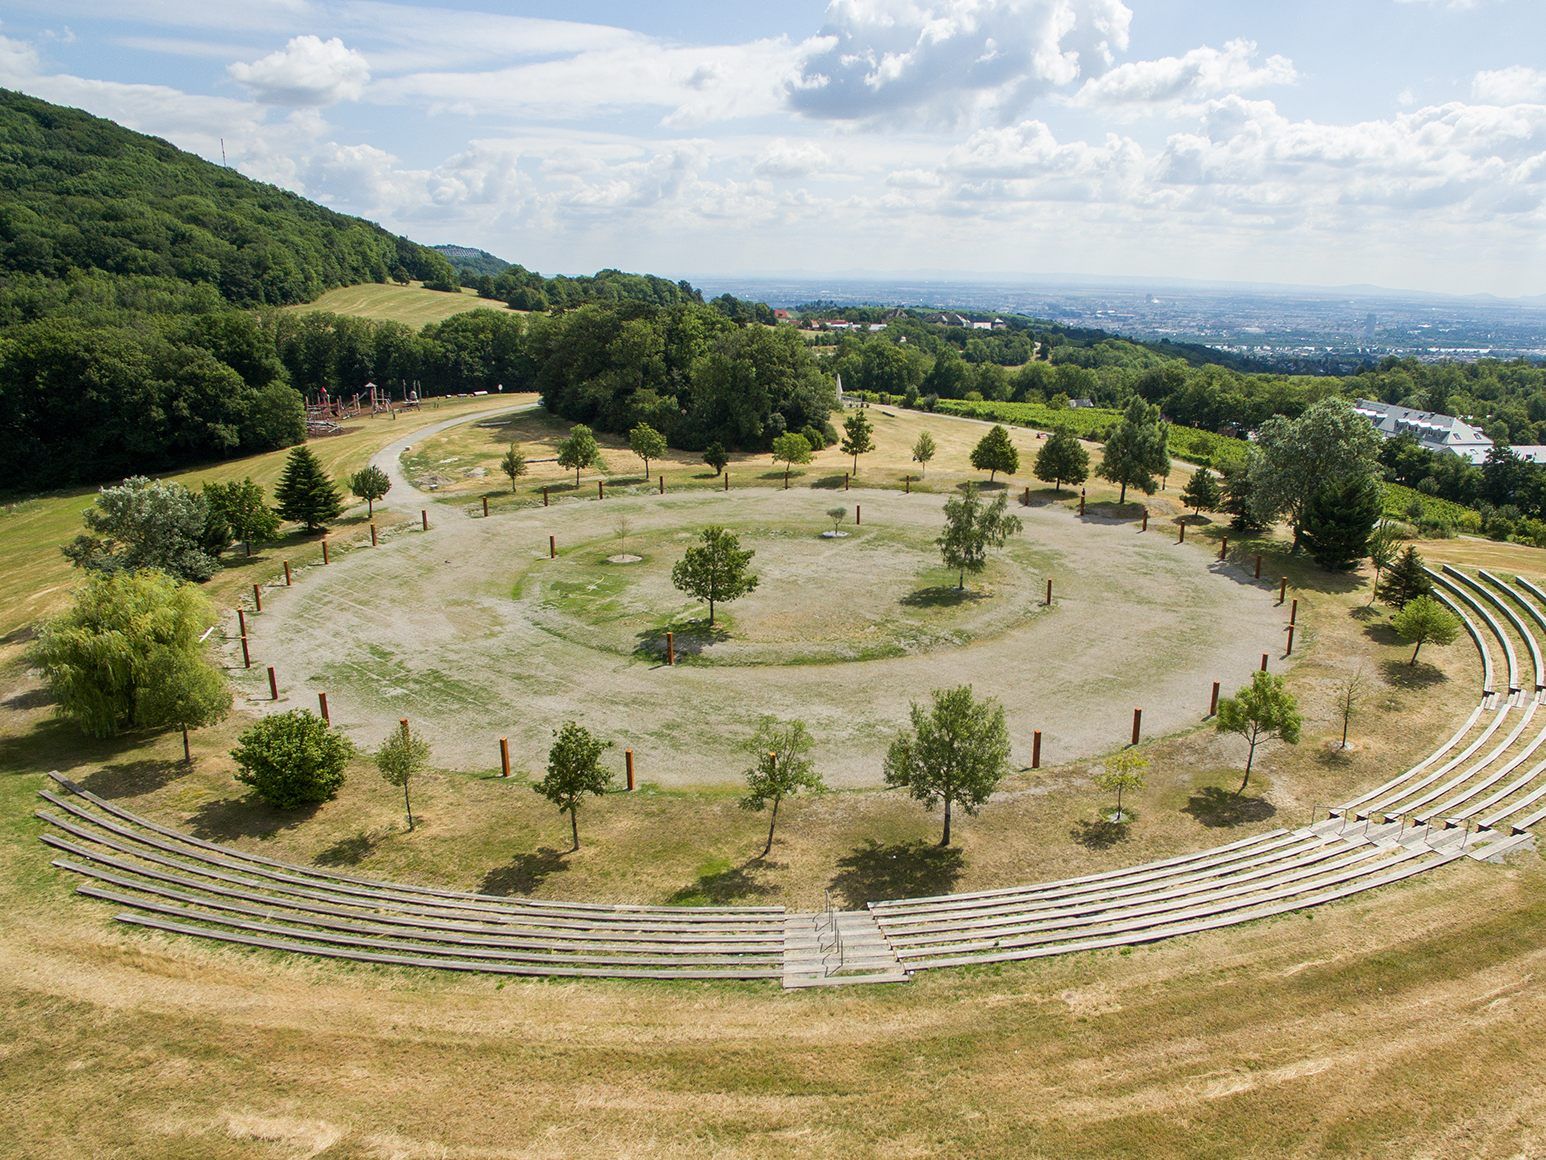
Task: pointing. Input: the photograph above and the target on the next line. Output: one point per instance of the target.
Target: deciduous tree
(574, 771)
(402, 757)
(716, 457)
(781, 767)
(370, 483)
(956, 752)
(791, 448)
(716, 569)
(1423, 619)
(578, 450)
(995, 452)
(1123, 771)
(647, 443)
(292, 759)
(1062, 459)
(513, 464)
(147, 523)
(1293, 458)
(1262, 710)
(244, 508)
(858, 436)
(923, 451)
(972, 529)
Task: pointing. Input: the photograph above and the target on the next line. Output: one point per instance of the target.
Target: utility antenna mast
(222, 154)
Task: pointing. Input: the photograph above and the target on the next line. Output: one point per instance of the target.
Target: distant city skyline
(1395, 143)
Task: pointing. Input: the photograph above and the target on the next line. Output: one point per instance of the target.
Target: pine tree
(1338, 521)
(305, 493)
(1202, 491)
(1404, 580)
(1062, 459)
(1237, 499)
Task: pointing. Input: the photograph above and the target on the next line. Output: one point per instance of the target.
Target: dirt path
(440, 627)
(390, 458)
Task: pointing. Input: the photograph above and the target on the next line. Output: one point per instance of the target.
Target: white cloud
(307, 71)
(1516, 85)
(18, 61)
(1203, 72)
(948, 59)
(791, 159)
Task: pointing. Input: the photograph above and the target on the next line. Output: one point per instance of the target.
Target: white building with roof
(1433, 431)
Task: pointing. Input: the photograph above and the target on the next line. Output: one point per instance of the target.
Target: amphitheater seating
(1454, 803)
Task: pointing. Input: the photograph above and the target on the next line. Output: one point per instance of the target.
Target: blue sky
(1398, 142)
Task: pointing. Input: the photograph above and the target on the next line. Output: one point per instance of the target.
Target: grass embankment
(412, 305)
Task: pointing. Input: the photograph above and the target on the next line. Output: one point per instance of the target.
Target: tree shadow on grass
(1422, 675)
(244, 817)
(896, 870)
(1101, 833)
(350, 851)
(525, 872)
(689, 637)
(984, 485)
(128, 778)
(1381, 632)
(942, 596)
(1366, 612)
(829, 482)
(1216, 808)
(722, 885)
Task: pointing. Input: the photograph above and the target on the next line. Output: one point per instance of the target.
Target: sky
(1400, 143)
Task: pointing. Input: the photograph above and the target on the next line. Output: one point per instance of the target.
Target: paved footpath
(389, 458)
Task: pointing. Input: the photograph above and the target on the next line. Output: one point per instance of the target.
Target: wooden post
(1036, 749)
(1137, 724)
(504, 757)
(403, 722)
(1213, 701)
(241, 622)
(325, 560)
(544, 497)
(246, 656)
(628, 764)
(424, 519)
(322, 705)
(670, 648)
(552, 547)
(858, 514)
(1049, 591)
(1181, 539)
(373, 540)
(1081, 504)
(273, 684)
(257, 597)
(287, 573)
(1264, 662)
(907, 485)
(1293, 611)
(1282, 590)
(727, 481)
(1258, 566)
(601, 489)
(485, 507)
(662, 485)
(1145, 526)
(1025, 499)
(1223, 548)
(1288, 652)
(846, 479)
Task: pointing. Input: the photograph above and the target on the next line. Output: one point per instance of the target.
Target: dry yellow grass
(412, 305)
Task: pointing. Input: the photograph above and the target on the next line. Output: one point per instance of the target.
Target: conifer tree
(1062, 459)
(1202, 491)
(1338, 521)
(1404, 580)
(305, 493)
(1135, 453)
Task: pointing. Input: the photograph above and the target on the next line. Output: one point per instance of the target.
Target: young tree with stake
(401, 758)
(1350, 692)
(789, 449)
(574, 771)
(972, 529)
(716, 569)
(1383, 543)
(923, 451)
(858, 436)
(956, 752)
(781, 767)
(370, 484)
(513, 464)
(1262, 710)
(716, 457)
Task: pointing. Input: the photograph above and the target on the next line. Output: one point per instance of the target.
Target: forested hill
(472, 262)
(88, 207)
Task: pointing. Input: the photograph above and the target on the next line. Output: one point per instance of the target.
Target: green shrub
(292, 759)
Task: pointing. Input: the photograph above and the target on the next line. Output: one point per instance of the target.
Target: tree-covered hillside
(82, 197)
(470, 262)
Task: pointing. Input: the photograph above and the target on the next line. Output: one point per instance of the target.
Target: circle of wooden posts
(601, 489)
(846, 479)
(1049, 591)
(241, 622)
(1289, 651)
(727, 481)
(1293, 611)
(907, 485)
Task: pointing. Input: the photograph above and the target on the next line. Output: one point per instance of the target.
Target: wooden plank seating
(1448, 592)
(1491, 600)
